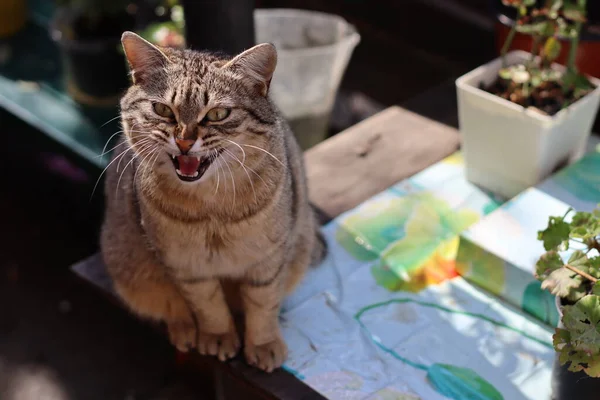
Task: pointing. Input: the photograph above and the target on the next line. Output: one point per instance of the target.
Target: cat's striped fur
(183, 252)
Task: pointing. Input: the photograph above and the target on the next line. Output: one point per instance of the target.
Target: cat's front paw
(224, 346)
(266, 356)
(182, 334)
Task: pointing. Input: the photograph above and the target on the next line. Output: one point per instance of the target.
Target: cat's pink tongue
(188, 165)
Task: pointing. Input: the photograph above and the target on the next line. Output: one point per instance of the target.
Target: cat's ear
(257, 64)
(143, 56)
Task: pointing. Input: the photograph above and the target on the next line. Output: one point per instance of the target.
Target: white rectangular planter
(508, 148)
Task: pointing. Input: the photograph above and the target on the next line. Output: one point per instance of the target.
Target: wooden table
(343, 171)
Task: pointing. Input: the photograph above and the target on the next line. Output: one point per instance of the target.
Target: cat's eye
(217, 114)
(163, 110)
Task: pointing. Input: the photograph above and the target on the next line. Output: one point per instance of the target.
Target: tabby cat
(207, 211)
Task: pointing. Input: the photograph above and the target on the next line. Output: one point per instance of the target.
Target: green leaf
(582, 82)
(578, 259)
(596, 289)
(461, 383)
(548, 263)
(552, 49)
(556, 5)
(581, 218)
(556, 233)
(594, 267)
(577, 293)
(562, 282)
(574, 12)
(533, 29)
(560, 340)
(522, 11)
(536, 78)
(568, 79)
(549, 74)
(583, 323)
(585, 226)
(578, 360)
(505, 73)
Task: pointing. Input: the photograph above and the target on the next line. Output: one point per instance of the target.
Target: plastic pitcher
(313, 51)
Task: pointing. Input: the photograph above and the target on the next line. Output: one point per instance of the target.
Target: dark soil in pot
(549, 97)
(567, 385)
(94, 62)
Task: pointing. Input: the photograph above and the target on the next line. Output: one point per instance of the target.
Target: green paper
(461, 383)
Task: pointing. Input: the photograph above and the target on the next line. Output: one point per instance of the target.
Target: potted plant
(522, 116)
(570, 269)
(88, 33)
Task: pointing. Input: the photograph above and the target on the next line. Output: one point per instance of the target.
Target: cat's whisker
(108, 141)
(136, 155)
(150, 152)
(232, 183)
(221, 168)
(120, 156)
(214, 156)
(149, 165)
(258, 175)
(131, 147)
(241, 148)
(245, 170)
(104, 151)
(142, 142)
(109, 121)
(119, 164)
(265, 151)
(155, 159)
(108, 151)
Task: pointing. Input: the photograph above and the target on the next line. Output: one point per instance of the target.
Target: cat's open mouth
(190, 168)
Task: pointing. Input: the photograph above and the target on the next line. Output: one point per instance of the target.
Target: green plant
(169, 33)
(576, 281)
(535, 83)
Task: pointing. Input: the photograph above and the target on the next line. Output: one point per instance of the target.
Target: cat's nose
(185, 144)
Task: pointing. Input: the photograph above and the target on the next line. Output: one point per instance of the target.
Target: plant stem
(573, 49)
(579, 272)
(508, 42)
(575, 41)
(537, 41)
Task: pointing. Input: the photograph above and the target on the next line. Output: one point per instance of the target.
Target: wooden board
(343, 172)
(365, 159)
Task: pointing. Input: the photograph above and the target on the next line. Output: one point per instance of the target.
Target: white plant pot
(508, 148)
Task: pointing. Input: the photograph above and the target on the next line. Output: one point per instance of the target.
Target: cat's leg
(263, 343)
(144, 286)
(161, 301)
(217, 335)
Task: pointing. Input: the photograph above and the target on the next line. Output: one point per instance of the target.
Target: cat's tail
(319, 250)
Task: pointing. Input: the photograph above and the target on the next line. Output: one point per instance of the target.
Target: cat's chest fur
(208, 248)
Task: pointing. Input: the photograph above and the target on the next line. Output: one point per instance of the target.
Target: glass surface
(32, 88)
